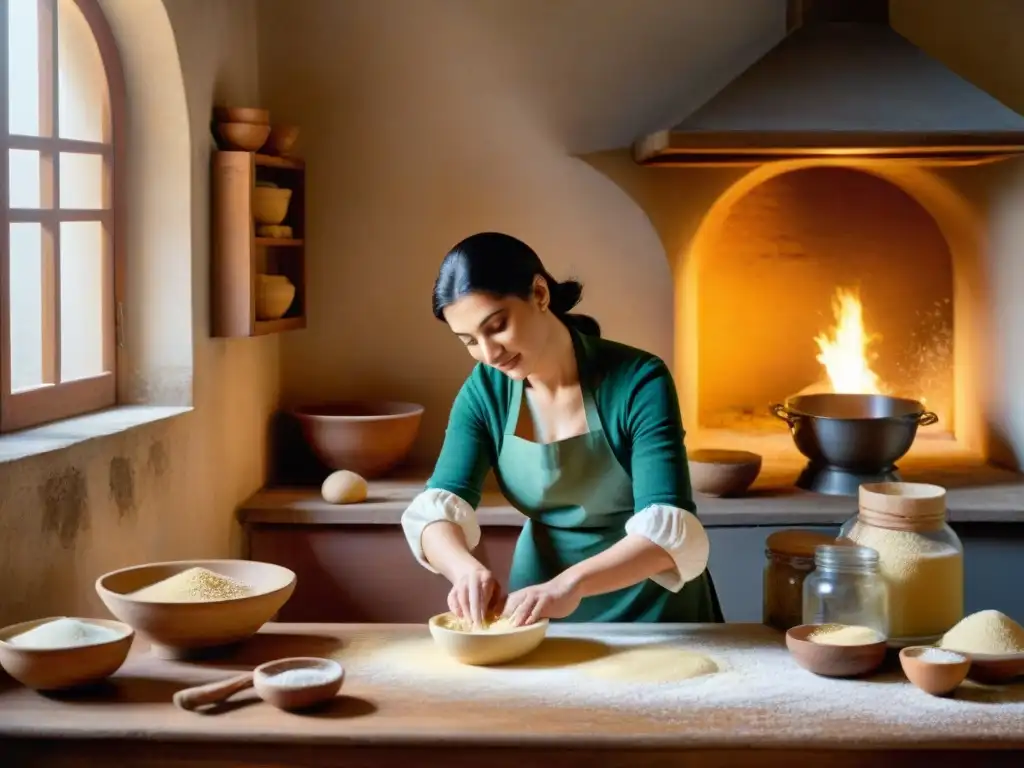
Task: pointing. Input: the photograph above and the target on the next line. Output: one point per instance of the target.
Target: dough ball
(343, 487)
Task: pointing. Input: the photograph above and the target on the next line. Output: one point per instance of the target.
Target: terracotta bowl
(833, 660)
(47, 669)
(995, 670)
(246, 137)
(253, 115)
(936, 678)
(178, 629)
(297, 697)
(715, 472)
(486, 648)
(368, 437)
(281, 140)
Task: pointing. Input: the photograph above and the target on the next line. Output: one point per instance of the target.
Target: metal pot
(855, 433)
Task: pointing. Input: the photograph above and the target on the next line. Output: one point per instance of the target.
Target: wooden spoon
(286, 696)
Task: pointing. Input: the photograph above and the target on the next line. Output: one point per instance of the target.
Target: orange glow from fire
(843, 349)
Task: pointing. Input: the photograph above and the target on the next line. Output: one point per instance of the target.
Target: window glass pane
(83, 100)
(23, 67)
(81, 181)
(26, 306)
(82, 252)
(25, 178)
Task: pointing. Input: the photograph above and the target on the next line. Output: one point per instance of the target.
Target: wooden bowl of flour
(498, 644)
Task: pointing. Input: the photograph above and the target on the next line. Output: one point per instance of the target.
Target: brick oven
(838, 219)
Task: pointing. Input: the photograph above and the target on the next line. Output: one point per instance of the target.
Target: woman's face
(507, 333)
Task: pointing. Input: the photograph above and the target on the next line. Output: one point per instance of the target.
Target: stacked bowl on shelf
(249, 129)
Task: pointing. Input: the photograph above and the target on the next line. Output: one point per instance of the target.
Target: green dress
(576, 492)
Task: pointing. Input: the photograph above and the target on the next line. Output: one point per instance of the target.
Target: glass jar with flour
(920, 557)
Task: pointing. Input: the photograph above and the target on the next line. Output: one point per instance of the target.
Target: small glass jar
(789, 558)
(846, 587)
(920, 557)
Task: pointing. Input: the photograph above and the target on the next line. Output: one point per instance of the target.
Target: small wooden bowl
(938, 678)
(833, 660)
(715, 472)
(486, 648)
(51, 669)
(178, 629)
(995, 670)
(247, 137)
(299, 696)
(252, 115)
(281, 140)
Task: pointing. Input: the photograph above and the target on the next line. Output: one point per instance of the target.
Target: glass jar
(789, 558)
(846, 587)
(920, 557)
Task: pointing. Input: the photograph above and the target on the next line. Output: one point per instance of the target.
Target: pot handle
(927, 419)
(780, 411)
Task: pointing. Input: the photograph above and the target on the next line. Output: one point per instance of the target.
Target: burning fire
(843, 350)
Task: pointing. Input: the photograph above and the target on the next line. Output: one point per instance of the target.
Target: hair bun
(565, 295)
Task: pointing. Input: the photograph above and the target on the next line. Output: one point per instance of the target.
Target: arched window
(60, 171)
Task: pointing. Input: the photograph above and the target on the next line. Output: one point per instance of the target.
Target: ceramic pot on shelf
(274, 296)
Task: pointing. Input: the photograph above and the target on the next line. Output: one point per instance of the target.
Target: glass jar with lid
(789, 558)
(920, 557)
(846, 587)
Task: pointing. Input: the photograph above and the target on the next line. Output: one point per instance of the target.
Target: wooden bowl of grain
(185, 606)
(61, 652)
(846, 654)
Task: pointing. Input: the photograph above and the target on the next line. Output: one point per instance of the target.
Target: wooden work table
(453, 717)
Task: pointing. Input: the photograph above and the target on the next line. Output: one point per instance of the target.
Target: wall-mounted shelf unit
(240, 256)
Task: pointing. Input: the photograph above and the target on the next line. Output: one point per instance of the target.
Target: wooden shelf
(239, 257)
(281, 242)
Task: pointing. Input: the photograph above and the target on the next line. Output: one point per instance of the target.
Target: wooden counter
(402, 705)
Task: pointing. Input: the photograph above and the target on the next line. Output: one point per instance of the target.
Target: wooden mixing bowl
(177, 629)
(833, 660)
(253, 115)
(50, 669)
(486, 648)
(245, 137)
(715, 472)
(989, 669)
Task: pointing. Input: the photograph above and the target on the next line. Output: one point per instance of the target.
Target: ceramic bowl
(244, 137)
(833, 660)
(486, 648)
(281, 140)
(252, 115)
(937, 678)
(367, 437)
(715, 472)
(270, 204)
(180, 629)
(274, 296)
(995, 670)
(46, 669)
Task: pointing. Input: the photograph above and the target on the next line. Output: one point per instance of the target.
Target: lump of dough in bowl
(343, 487)
(495, 624)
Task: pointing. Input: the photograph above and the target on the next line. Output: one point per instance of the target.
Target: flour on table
(650, 664)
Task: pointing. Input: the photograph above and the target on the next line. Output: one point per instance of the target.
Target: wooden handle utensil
(212, 693)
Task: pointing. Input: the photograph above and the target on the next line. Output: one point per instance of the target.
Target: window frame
(60, 400)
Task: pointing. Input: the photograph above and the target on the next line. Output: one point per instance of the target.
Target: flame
(843, 350)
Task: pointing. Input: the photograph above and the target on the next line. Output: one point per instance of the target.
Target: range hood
(842, 83)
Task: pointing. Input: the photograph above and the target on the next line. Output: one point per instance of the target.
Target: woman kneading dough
(585, 439)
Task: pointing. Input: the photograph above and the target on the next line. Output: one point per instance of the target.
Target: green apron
(578, 498)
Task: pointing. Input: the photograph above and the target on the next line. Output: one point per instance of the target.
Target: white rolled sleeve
(678, 532)
(434, 505)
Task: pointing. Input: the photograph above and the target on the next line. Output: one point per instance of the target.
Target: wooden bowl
(247, 137)
(300, 696)
(366, 437)
(252, 115)
(281, 140)
(937, 678)
(833, 660)
(715, 472)
(49, 669)
(179, 629)
(486, 648)
(274, 296)
(988, 669)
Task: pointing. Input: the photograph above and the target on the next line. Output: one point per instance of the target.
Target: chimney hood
(842, 83)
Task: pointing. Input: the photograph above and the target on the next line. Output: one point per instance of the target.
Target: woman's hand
(554, 599)
(475, 595)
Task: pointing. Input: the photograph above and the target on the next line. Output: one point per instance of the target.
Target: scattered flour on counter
(755, 674)
(64, 633)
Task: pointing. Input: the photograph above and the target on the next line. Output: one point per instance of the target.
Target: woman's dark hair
(501, 265)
